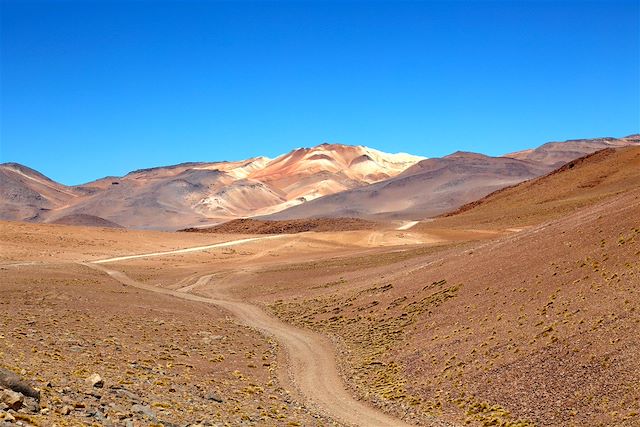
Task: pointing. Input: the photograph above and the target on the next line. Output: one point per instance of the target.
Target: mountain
(428, 188)
(558, 153)
(329, 180)
(438, 185)
(27, 194)
(198, 193)
(579, 183)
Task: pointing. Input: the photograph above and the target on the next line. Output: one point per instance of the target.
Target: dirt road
(311, 356)
(407, 225)
(187, 250)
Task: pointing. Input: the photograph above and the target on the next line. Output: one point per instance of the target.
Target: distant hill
(86, 220)
(579, 183)
(558, 153)
(428, 188)
(195, 193)
(329, 180)
(256, 226)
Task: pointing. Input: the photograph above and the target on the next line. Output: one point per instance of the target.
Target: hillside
(579, 183)
(428, 188)
(558, 153)
(86, 220)
(27, 194)
(535, 328)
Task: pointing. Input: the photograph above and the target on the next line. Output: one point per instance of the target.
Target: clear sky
(92, 88)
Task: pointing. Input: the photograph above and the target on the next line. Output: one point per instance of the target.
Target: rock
(44, 411)
(12, 399)
(102, 419)
(144, 410)
(66, 410)
(11, 381)
(95, 380)
(31, 405)
(214, 397)
(127, 394)
(128, 423)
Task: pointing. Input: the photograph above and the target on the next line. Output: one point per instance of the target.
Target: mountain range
(329, 180)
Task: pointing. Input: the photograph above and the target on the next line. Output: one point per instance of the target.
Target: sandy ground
(311, 360)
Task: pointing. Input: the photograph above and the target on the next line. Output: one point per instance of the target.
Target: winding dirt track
(311, 356)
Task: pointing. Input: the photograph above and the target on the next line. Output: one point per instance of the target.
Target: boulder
(12, 399)
(95, 380)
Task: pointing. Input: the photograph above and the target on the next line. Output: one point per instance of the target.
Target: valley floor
(393, 326)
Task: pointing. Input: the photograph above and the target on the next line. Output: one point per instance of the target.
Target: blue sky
(92, 88)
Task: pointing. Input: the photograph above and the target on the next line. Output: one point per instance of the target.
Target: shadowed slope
(428, 188)
(579, 183)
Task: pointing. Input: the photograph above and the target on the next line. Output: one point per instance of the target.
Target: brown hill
(28, 195)
(255, 226)
(557, 153)
(86, 220)
(577, 184)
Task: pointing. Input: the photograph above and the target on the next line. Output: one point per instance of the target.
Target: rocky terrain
(99, 354)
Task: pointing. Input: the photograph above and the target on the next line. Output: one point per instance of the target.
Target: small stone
(144, 410)
(12, 399)
(66, 410)
(31, 405)
(102, 419)
(95, 380)
(45, 411)
(121, 392)
(214, 397)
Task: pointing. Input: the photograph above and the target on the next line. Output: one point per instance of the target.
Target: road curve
(311, 356)
(186, 250)
(407, 225)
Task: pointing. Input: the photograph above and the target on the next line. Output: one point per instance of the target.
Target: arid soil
(256, 226)
(530, 329)
(163, 361)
